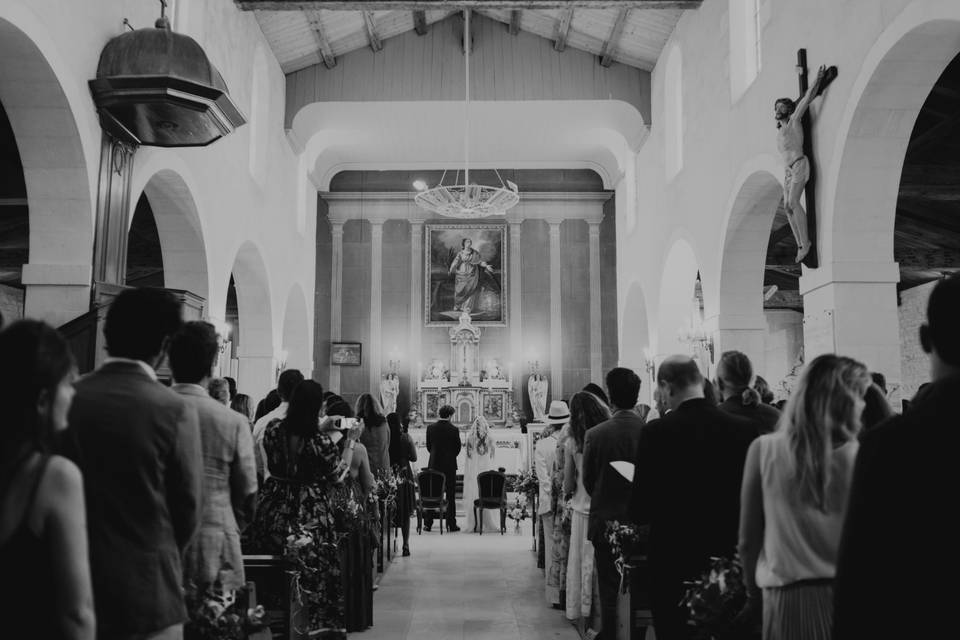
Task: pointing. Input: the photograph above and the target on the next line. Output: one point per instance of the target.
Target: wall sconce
(697, 337)
(223, 330)
(281, 363)
(394, 362)
(648, 360)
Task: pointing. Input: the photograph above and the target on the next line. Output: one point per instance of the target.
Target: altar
(470, 387)
(512, 451)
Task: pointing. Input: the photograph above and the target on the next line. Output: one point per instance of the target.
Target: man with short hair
(689, 465)
(286, 383)
(138, 445)
(610, 441)
(443, 443)
(900, 529)
(230, 476)
(734, 375)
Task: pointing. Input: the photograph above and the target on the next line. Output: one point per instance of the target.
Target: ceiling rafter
(514, 26)
(371, 28)
(420, 22)
(610, 46)
(563, 29)
(326, 52)
(377, 5)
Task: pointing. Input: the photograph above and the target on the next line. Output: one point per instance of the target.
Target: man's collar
(190, 388)
(620, 412)
(140, 363)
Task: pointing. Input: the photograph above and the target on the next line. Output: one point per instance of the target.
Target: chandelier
(468, 200)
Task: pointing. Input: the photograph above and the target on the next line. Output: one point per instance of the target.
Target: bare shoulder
(62, 475)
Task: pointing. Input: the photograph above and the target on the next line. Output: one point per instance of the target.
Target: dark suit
(138, 446)
(610, 441)
(687, 488)
(900, 529)
(443, 443)
(763, 415)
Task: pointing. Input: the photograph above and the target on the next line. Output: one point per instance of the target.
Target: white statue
(537, 386)
(389, 391)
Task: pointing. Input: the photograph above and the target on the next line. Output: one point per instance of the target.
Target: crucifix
(794, 143)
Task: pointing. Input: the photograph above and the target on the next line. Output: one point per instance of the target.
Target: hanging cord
(466, 104)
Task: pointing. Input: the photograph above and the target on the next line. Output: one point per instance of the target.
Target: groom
(443, 443)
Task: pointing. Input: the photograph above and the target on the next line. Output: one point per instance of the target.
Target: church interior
(487, 206)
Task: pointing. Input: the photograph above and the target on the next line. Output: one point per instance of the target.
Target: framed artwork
(345, 353)
(465, 270)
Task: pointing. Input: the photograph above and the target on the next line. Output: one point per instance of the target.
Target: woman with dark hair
(402, 453)
(43, 529)
(763, 388)
(376, 433)
(597, 390)
(734, 373)
(876, 409)
(241, 404)
(296, 512)
(796, 484)
(586, 411)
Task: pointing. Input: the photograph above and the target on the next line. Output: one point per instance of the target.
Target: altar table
(514, 453)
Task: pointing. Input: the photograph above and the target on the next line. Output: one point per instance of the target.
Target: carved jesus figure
(797, 166)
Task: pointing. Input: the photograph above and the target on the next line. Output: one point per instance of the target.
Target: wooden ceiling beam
(927, 259)
(514, 26)
(420, 22)
(563, 28)
(371, 28)
(406, 5)
(326, 52)
(610, 46)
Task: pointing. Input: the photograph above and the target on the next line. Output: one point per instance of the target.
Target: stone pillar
(745, 333)
(556, 351)
(376, 319)
(336, 295)
(850, 308)
(516, 313)
(415, 352)
(596, 354)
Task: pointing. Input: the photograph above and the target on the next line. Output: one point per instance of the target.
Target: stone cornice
(399, 205)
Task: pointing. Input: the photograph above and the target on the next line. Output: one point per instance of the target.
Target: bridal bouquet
(716, 602)
(518, 511)
(216, 614)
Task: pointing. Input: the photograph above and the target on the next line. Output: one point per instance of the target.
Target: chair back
(432, 485)
(493, 488)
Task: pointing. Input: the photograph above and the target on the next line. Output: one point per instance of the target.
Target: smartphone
(347, 423)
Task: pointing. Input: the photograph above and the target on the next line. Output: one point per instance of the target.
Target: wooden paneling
(503, 67)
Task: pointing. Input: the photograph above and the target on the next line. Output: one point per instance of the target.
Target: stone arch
(740, 322)
(260, 96)
(170, 192)
(57, 161)
(296, 332)
(635, 341)
(894, 81)
(677, 281)
(256, 352)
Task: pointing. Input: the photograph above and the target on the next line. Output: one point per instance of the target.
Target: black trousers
(608, 585)
(451, 492)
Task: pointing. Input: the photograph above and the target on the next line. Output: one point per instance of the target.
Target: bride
(480, 452)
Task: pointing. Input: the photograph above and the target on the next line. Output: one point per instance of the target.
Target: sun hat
(559, 413)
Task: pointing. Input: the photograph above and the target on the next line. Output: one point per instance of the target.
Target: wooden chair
(276, 591)
(493, 495)
(432, 499)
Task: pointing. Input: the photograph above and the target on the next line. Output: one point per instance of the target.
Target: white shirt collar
(143, 365)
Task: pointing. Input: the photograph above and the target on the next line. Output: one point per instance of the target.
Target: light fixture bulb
(419, 185)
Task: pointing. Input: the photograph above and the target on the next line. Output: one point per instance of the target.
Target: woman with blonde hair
(796, 483)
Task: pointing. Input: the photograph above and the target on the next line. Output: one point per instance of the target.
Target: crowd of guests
(835, 505)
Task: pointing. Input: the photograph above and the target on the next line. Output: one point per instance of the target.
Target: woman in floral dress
(557, 565)
(295, 515)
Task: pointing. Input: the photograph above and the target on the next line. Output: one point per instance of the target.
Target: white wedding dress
(480, 454)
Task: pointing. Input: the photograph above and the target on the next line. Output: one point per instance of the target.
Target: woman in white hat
(545, 464)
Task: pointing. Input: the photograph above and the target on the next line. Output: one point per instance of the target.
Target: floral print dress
(557, 566)
(296, 518)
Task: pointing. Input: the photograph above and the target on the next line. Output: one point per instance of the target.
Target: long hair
(823, 411)
(369, 410)
(303, 414)
(241, 404)
(397, 450)
(586, 411)
(35, 360)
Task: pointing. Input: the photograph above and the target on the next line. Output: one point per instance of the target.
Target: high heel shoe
(406, 551)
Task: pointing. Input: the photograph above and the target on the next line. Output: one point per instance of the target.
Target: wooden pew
(275, 586)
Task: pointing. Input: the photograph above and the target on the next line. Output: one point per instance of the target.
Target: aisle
(466, 586)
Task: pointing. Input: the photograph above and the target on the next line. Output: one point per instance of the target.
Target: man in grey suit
(230, 476)
(138, 446)
(610, 441)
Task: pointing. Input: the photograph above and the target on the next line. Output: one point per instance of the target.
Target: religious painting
(345, 353)
(465, 271)
(493, 406)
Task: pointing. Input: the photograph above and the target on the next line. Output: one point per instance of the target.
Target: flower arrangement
(716, 602)
(527, 484)
(385, 487)
(518, 511)
(216, 614)
(624, 540)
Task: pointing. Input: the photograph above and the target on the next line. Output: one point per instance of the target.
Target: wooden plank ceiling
(305, 33)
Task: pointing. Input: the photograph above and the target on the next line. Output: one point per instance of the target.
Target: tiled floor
(466, 586)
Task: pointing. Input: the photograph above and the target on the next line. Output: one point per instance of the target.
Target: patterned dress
(557, 568)
(295, 518)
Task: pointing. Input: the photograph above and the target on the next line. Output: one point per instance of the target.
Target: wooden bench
(275, 589)
(633, 608)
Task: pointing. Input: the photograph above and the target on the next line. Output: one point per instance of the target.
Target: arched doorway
(56, 183)
(258, 362)
(144, 250)
(14, 224)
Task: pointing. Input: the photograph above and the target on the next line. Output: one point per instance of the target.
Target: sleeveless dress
(295, 518)
(479, 458)
(25, 559)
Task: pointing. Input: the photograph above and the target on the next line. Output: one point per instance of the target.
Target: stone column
(516, 313)
(850, 308)
(415, 351)
(336, 295)
(556, 351)
(596, 354)
(376, 288)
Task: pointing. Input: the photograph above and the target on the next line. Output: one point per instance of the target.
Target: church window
(747, 18)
